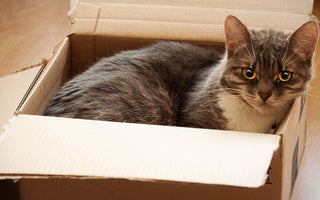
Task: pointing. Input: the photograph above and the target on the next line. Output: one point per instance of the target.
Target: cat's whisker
(293, 54)
(231, 90)
(285, 54)
(243, 94)
(251, 53)
(314, 96)
(310, 87)
(292, 61)
(254, 98)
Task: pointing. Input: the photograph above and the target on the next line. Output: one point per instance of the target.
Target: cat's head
(268, 68)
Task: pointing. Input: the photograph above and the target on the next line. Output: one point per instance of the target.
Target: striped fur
(224, 98)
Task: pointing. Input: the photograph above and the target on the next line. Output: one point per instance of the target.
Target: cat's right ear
(237, 35)
(303, 41)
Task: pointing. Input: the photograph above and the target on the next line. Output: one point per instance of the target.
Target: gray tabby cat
(250, 88)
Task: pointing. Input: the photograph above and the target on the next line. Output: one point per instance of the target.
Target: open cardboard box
(59, 158)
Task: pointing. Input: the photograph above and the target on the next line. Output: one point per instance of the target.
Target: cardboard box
(12, 89)
(59, 158)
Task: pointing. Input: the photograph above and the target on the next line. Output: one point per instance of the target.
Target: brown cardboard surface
(55, 74)
(83, 189)
(293, 132)
(85, 11)
(12, 90)
(199, 15)
(287, 6)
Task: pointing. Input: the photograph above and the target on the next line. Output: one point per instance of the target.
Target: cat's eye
(285, 76)
(249, 73)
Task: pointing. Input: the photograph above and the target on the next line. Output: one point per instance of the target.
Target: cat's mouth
(258, 104)
(265, 105)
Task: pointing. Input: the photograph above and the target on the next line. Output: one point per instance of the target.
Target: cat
(249, 88)
(256, 82)
(140, 86)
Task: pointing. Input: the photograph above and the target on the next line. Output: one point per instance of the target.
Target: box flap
(37, 145)
(287, 6)
(12, 90)
(50, 80)
(97, 25)
(191, 23)
(84, 19)
(200, 15)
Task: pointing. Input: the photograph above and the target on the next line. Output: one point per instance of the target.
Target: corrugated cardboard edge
(43, 65)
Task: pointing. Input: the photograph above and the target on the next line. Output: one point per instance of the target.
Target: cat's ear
(237, 35)
(303, 41)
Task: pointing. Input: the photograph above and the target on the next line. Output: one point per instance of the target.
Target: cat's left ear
(303, 41)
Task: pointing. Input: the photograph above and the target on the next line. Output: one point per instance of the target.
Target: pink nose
(264, 96)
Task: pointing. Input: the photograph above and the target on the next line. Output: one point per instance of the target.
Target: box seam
(94, 35)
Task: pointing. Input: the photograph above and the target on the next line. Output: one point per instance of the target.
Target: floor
(29, 30)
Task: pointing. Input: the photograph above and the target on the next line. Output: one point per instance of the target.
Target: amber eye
(249, 73)
(285, 76)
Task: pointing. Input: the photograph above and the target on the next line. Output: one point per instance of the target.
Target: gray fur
(140, 86)
(173, 83)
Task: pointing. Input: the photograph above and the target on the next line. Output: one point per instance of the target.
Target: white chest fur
(242, 117)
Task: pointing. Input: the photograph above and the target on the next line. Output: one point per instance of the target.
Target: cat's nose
(264, 95)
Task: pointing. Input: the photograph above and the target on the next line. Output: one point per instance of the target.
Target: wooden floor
(29, 30)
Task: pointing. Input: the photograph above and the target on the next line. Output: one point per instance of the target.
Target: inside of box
(99, 31)
(108, 46)
(67, 67)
